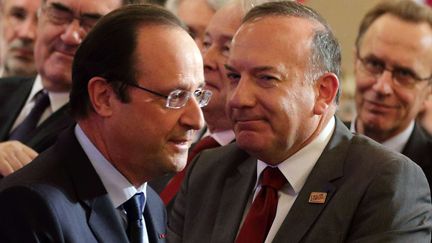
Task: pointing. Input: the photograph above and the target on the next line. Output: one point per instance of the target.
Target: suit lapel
(13, 104)
(323, 178)
(46, 133)
(417, 146)
(104, 220)
(155, 217)
(234, 199)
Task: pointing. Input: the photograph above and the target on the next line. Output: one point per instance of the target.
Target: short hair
(108, 51)
(325, 49)
(406, 10)
(172, 5)
(124, 2)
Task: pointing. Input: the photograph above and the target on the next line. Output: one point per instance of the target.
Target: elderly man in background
(136, 109)
(196, 14)
(393, 71)
(295, 172)
(33, 111)
(18, 24)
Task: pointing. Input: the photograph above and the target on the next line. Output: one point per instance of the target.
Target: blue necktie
(22, 131)
(134, 212)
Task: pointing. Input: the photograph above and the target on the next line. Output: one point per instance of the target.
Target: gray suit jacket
(60, 198)
(373, 195)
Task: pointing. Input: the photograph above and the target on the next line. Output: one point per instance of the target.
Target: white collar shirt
(396, 143)
(118, 187)
(57, 100)
(296, 170)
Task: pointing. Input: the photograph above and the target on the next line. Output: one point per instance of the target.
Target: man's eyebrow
(229, 68)
(64, 8)
(61, 7)
(255, 69)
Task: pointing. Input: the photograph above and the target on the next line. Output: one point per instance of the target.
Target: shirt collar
(57, 99)
(222, 137)
(395, 143)
(118, 187)
(297, 168)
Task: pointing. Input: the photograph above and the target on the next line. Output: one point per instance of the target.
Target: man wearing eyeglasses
(136, 110)
(34, 110)
(393, 70)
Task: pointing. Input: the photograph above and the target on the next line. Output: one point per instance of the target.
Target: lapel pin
(162, 236)
(317, 197)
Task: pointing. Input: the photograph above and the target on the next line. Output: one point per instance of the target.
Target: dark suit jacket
(418, 149)
(373, 195)
(13, 95)
(60, 198)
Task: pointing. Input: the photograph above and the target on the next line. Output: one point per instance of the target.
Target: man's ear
(326, 89)
(101, 96)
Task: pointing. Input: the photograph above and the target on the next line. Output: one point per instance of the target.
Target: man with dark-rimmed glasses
(393, 71)
(33, 110)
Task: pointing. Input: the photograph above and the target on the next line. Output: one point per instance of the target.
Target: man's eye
(403, 73)
(18, 14)
(233, 77)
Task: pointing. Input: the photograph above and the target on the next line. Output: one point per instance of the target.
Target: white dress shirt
(222, 137)
(118, 187)
(396, 143)
(296, 170)
(57, 100)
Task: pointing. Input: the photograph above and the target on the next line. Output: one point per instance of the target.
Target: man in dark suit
(295, 172)
(136, 109)
(59, 37)
(393, 73)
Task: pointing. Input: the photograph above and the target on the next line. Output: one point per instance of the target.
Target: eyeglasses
(401, 76)
(61, 15)
(178, 98)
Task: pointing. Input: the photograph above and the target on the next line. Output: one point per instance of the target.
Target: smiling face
(217, 43)
(19, 23)
(149, 139)
(57, 43)
(384, 108)
(270, 102)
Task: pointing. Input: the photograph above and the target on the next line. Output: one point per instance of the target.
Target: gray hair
(325, 49)
(172, 5)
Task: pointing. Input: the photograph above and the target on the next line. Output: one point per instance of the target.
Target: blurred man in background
(18, 30)
(393, 72)
(33, 110)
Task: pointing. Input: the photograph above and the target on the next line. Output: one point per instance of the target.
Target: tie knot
(134, 207)
(273, 177)
(41, 100)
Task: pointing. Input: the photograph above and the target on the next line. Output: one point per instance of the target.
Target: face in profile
(392, 58)
(217, 44)
(270, 102)
(62, 26)
(19, 22)
(196, 14)
(157, 138)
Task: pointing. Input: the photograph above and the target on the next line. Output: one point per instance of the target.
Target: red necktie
(173, 186)
(263, 210)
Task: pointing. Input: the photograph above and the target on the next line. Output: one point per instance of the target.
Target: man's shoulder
(15, 82)
(44, 170)
(221, 156)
